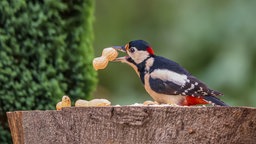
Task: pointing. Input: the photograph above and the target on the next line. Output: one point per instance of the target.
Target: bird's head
(137, 52)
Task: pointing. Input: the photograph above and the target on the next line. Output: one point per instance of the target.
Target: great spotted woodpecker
(165, 80)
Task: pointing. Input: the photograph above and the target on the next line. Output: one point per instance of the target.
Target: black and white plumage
(165, 80)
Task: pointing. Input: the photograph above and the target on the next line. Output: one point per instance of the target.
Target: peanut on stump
(94, 102)
(65, 102)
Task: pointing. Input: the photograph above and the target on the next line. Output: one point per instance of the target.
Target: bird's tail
(214, 100)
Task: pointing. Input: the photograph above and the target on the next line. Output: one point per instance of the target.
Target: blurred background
(46, 49)
(214, 40)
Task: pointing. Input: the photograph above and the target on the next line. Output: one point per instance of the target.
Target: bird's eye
(132, 50)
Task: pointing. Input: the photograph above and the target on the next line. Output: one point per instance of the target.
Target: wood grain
(135, 124)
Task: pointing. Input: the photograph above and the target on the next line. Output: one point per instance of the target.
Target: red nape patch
(150, 50)
(190, 100)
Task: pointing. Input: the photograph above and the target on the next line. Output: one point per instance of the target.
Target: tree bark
(135, 124)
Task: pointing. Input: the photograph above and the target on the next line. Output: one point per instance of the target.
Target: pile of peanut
(66, 102)
(108, 54)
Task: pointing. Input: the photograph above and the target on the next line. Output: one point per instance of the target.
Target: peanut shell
(99, 102)
(59, 106)
(81, 103)
(110, 53)
(100, 62)
(66, 102)
(94, 102)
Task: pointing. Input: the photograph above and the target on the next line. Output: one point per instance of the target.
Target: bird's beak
(119, 48)
(122, 49)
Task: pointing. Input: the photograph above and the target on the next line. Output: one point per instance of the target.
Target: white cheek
(138, 56)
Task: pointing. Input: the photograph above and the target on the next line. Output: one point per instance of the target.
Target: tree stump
(134, 124)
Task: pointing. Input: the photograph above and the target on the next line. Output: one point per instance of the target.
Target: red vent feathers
(150, 50)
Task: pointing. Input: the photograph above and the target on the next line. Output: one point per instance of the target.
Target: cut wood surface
(135, 124)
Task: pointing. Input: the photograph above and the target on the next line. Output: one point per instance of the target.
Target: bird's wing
(168, 77)
(172, 83)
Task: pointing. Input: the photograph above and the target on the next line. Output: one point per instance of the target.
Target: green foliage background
(45, 53)
(46, 48)
(214, 40)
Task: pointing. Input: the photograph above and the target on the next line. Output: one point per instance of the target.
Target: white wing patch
(167, 75)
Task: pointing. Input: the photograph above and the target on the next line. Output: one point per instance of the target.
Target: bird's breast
(162, 98)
